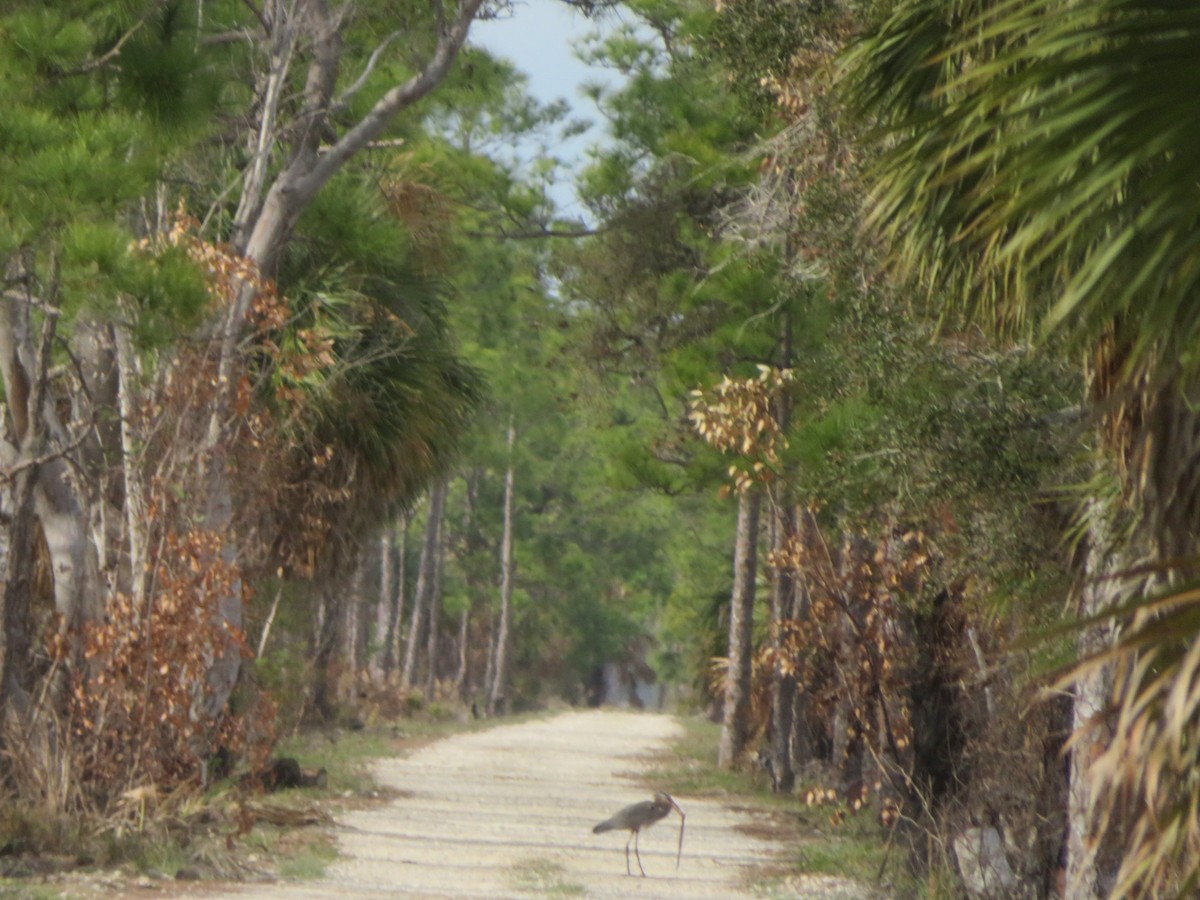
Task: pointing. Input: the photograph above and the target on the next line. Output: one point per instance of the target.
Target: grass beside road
(811, 843)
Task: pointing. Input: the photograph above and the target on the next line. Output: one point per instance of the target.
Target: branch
(340, 103)
(326, 53)
(9, 473)
(226, 37)
(401, 97)
(113, 52)
(374, 145)
(259, 14)
(534, 233)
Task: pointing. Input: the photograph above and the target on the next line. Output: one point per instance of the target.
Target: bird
(637, 816)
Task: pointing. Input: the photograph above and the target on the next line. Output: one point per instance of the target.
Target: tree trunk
(136, 536)
(16, 646)
(460, 676)
(103, 453)
(489, 668)
(735, 727)
(267, 214)
(328, 634)
(25, 471)
(783, 597)
(57, 505)
(392, 641)
(783, 694)
(425, 581)
(1093, 695)
(353, 601)
(384, 605)
(435, 603)
(496, 696)
(802, 746)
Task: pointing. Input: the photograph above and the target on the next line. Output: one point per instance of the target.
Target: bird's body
(635, 817)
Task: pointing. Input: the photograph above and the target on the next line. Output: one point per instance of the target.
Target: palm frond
(1150, 770)
(1037, 160)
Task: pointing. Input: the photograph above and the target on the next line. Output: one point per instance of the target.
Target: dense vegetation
(857, 413)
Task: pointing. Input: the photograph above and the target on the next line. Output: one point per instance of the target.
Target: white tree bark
(57, 504)
(496, 694)
(735, 727)
(135, 501)
(435, 600)
(426, 577)
(1093, 695)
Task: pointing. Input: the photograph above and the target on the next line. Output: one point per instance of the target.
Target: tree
(497, 690)
(108, 106)
(1028, 172)
(735, 722)
(424, 600)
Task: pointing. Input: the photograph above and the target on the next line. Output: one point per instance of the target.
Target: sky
(539, 38)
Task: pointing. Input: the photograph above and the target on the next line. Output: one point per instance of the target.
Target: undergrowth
(814, 840)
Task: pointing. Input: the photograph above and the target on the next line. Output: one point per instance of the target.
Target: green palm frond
(378, 423)
(371, 392)
(1040, 158)
(1039, 164)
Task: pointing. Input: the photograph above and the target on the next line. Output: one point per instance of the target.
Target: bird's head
(662, 798)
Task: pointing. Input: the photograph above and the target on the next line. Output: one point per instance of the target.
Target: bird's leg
(627, 870)
(636, 835)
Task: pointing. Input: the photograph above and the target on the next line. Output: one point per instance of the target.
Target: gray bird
(642, 815)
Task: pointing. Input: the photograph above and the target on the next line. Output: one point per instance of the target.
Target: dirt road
(509, 812)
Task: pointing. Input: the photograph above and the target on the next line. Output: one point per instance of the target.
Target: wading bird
(642, 815)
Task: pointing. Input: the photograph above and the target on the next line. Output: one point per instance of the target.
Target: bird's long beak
(682, 819)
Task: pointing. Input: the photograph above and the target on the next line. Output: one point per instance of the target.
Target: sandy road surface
(509, 812)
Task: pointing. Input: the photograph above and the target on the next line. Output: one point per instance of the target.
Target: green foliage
(97, 101)
(369, 386)
(1032, 158)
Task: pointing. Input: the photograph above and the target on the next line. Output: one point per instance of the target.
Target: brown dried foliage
(851, 651)
(737, 417)
(137, 707)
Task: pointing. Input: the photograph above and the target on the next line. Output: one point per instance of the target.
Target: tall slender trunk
(489, 668)
(735, 728)
(1093, 695)
(384, 604)
(783, 610)
(425, 580)
(460, 676)
(353, 600)
(57, 504)
(496, 696)
(435, 605)
(136, 535)
(783, 597)
(392, 641)
(801, 745)
(24, 470)
(330, 619)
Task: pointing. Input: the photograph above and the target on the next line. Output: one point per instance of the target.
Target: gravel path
(508, 812)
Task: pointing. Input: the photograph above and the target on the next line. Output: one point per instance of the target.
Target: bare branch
(113, 52)
(258, 14)
(390, 144)
(366, 73)
(219, 39)
(535, 233)
(450, 41)
(18, 465)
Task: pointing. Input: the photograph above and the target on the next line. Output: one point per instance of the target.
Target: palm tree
(1040, 167)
